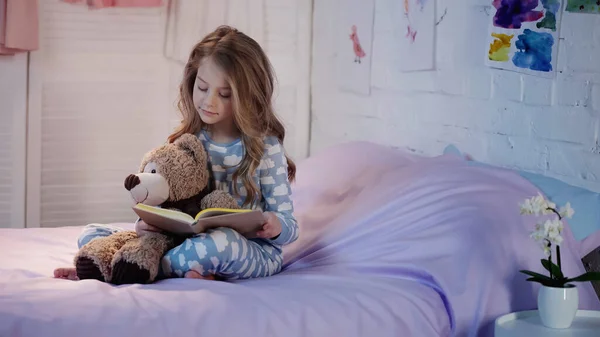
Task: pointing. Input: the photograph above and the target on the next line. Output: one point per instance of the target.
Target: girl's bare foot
(196, 275)
(66, 273)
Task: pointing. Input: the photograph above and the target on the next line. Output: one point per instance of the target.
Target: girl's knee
(214, 244)
(100, 228)
(93, 231)
(205, 253)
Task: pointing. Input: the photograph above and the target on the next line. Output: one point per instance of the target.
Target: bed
(391, 244)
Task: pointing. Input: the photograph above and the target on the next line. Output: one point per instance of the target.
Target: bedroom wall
(104, 75)
(13, 114)
(499, 117)
(282, 28)
(97, 101)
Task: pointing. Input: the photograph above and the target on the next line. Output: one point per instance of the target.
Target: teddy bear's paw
(129, 273)
(218, 199)
(93, 260)
(138, 261)
(88, 270)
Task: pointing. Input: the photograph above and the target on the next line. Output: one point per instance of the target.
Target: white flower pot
(558, 306)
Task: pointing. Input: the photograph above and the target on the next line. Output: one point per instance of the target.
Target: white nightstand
(528, 324)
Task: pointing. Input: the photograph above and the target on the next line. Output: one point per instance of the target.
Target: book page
(245, 221)
(167, 213)
(209, 212)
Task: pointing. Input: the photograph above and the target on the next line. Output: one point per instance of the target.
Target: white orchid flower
(566, 211)
(549, 207)
(553, 229)
(540, 237)
(549, 232)
(546, 249)
(537, 205)
(525, 207)
(528, 207)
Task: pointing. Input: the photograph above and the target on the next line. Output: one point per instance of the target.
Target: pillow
(586, 203)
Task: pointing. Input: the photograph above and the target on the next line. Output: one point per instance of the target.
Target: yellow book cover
(246, 222)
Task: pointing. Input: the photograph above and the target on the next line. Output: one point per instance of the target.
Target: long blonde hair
(250, 76)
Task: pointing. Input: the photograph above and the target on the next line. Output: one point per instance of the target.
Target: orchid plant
(548, 235)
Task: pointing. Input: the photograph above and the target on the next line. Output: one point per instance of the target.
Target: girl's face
(212, 95)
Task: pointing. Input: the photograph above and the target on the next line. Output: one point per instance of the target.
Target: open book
(244, 221)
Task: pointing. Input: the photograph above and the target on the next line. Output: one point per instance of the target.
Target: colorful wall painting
(584, 6)
(524, 35)
(417, 44)
(354, 40)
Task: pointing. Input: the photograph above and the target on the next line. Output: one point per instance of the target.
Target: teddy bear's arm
(219, 199)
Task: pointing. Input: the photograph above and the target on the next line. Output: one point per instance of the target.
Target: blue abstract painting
(534, 51)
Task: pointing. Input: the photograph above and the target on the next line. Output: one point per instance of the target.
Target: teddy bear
(174, 176)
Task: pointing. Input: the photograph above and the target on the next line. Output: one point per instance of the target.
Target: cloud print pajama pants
(222, 251)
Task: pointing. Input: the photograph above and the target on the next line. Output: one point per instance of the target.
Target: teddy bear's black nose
(131, 181)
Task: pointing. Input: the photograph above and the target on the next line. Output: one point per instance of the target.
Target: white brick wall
(502, 118)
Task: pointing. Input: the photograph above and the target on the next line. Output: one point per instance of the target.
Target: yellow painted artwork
(500, 48)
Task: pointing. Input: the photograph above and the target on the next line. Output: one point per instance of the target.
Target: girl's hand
(271, 228)
(142, 228)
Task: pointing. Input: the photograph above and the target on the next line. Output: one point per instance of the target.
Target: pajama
(271, 176)
(93, 231)
(223, 251)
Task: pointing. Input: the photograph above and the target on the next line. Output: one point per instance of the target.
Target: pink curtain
(19, 26)
(95, 4)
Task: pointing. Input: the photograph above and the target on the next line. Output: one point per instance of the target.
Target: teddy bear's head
(171, 172)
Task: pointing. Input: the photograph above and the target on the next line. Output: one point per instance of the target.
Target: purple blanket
(391, 244)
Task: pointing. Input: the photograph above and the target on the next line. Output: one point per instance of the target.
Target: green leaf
(555, 269)
(551, 283)
(589, 276)
(545, 264)
(534, 274)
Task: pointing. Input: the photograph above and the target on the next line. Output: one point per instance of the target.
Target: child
(225, 99)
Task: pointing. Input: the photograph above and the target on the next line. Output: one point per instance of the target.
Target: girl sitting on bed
(225, 99)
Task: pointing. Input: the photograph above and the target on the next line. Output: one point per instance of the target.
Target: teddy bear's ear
(191, 145)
